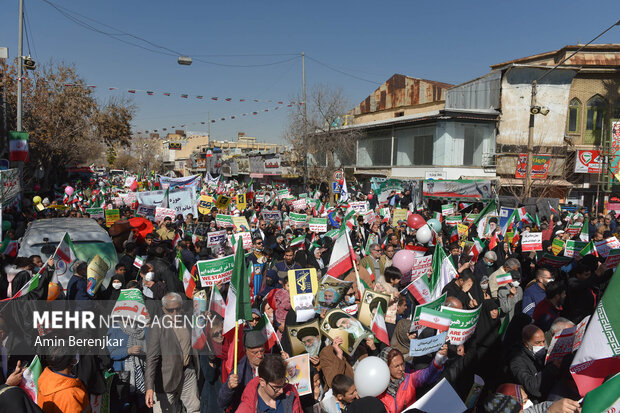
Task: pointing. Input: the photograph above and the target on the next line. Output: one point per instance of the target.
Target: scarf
(392, 388)
(400, 339)
(134, 364)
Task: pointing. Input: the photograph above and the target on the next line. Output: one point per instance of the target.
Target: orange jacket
(61, 394)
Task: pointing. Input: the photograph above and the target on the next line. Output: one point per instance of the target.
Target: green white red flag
(217, 304)
(435, 319)
(30, 378)
(265, 326)
(238, 306)
(605, 398)
(378, 327)
(341, 259)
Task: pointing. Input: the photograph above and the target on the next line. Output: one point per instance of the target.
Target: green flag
(238, 306)
(605, 398)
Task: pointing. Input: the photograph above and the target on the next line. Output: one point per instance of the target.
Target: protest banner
(428, 345)
(613, 258)
(95, 213)
(400, 214)
(453, 220)
(271, 215)
(130, 304)
(338, 323)
(447, 209)
(111, 216)
(223, 202)
(225, 221)
(300, 204)
(566, 341)
(150, 197)
(215, 238)
(553, 261)
(215, 270)
(531, 241)
(283, 193)
(603, 247)
(360, 206)
(557, 246)
(298, 373)
(463, 323)
(433, 305)
(246, 239)
(298, 219)
(318, 225)
(161, 213)
(573, 230)
(186, 181)
(183, 201)
(573, 248)
(241, 224)
(333, 233)
(95, 274)
(421, 266)
(259, 198)
(369, 217)
(205, 204)
(146, 211)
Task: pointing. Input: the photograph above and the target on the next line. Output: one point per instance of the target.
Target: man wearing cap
(230, 393)
(311, 339)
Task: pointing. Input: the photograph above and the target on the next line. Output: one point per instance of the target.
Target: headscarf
(392, 388)
(400, 339)
(366, 405)
(487, 328)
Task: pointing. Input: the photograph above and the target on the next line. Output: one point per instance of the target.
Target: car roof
(79, 229)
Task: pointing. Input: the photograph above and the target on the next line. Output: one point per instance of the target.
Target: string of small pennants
(231, 117)
(187, 95)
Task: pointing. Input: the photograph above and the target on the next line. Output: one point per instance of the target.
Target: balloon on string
(403, 260)
(371, 377)
(424, 234)
(434, 224)
(415, 221)
(69, 190)
(36, 199)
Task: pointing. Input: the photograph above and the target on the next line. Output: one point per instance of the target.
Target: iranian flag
(238, 305)
(217, 303)
(199, 336)
(590, 248)
(298, 242)
(189, 284)
(64, 256)
(504, 279)
(29, 286)
(443, 271)
(265, 327)
(605, 398)
(341, 259)
(434, 319)
(18, 146)
(420, 290)
(584, 235)
(479, 246)
(30, 378)
(599, 354)
(378, 327)
(138, 262)
(9, 247)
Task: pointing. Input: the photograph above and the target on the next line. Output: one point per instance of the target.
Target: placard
(216, 238)
(223, 202)
(573, 248)
(553, 261)
(557, 246)
(95, 213)
(531, 241)
(359, 206)
(246, 239)
(421, 266)
(150, 197)
(205, 204)
(298, 219)
(369, 217)
(447, 209)
(400, 214)
(298, 373)
(463, 323)
(613, 258)
(453, 220)
(300, 204)
(566, 341)
(318, 225)
(271, 215)
(241, 224)
(421, 347)
(161, 213)
(225, 221)
(95, 273)
(603, 247)
(433, 305)
(130, 305)
(212, 271)
(111, 216)
(283, 193)
(146, 211)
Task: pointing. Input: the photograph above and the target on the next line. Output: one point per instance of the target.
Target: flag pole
(211, 297)
(236, 345)
(357, 274)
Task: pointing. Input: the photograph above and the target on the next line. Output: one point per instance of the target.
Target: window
(574, 114)
(595, 115)
(617, 109)
(399, 114)
(375, 150)
(403, 147)
(413, 146)
(472, 146)
(423, 153)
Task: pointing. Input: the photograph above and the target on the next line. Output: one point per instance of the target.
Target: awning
(535, 182)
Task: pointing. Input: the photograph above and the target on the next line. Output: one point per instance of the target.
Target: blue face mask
(350, 300)
(490, 264)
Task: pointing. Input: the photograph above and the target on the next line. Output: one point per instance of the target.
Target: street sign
(338, 176)
(336, 188)
(435, 175)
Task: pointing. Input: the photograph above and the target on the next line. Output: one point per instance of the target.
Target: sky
(251, 50)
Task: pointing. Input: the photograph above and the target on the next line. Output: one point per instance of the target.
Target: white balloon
(371, 376)
(424, 234)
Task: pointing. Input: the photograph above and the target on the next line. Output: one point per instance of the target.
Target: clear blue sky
(448, 41)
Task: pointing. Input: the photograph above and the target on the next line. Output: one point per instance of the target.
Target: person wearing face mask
(113, 290)
(59, 390)
(528, 367)
(535, 293)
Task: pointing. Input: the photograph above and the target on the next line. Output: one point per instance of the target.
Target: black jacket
(535, 377)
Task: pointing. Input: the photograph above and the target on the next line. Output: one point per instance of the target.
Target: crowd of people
(163, 370)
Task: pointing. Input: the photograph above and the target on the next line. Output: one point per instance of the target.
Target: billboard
(540, 166)
(588, 162)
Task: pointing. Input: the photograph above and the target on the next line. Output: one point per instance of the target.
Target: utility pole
(20, 62)
(530, 145)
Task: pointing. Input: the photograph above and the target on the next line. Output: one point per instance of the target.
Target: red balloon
(415, 221)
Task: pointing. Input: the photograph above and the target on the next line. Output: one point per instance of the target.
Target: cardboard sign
(225, 221)
(454, 220)
(566, 341)
(241, 224)
(242, 202)
(111, 216)
(271, 215)
(205, 204)
(400, 214)
(462, 229)
(359, 206)
(463, 323)
(613, 258)
(146, 211)
(130, 305)
(603, 247)
(318, 225)
(428, 345)
(447, 209)
(95, 272)
(369, 217)
(213, 271)
(573, 230)
(216, 238)
(301, 282)
(223, 202)
(161, 213)
(300, 204)
(421, 266)
(557, 246)
(553, 261)
(95, 213)
(246, 239)
(573, 248)
(283, 194)
(531, 241)
(298, 373)
(298, 219)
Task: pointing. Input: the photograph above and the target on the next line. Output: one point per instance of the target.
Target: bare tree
(320, 138)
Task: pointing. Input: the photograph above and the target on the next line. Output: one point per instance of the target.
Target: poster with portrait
(305, 338)
(298, 373)
(331, 292)
(488, 225)
(338, 323)
(371, 300)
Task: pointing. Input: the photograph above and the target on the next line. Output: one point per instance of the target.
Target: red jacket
(249, 399)
(405, 396)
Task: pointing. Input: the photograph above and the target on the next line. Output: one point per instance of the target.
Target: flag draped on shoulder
(238, 305)
(599, 354)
